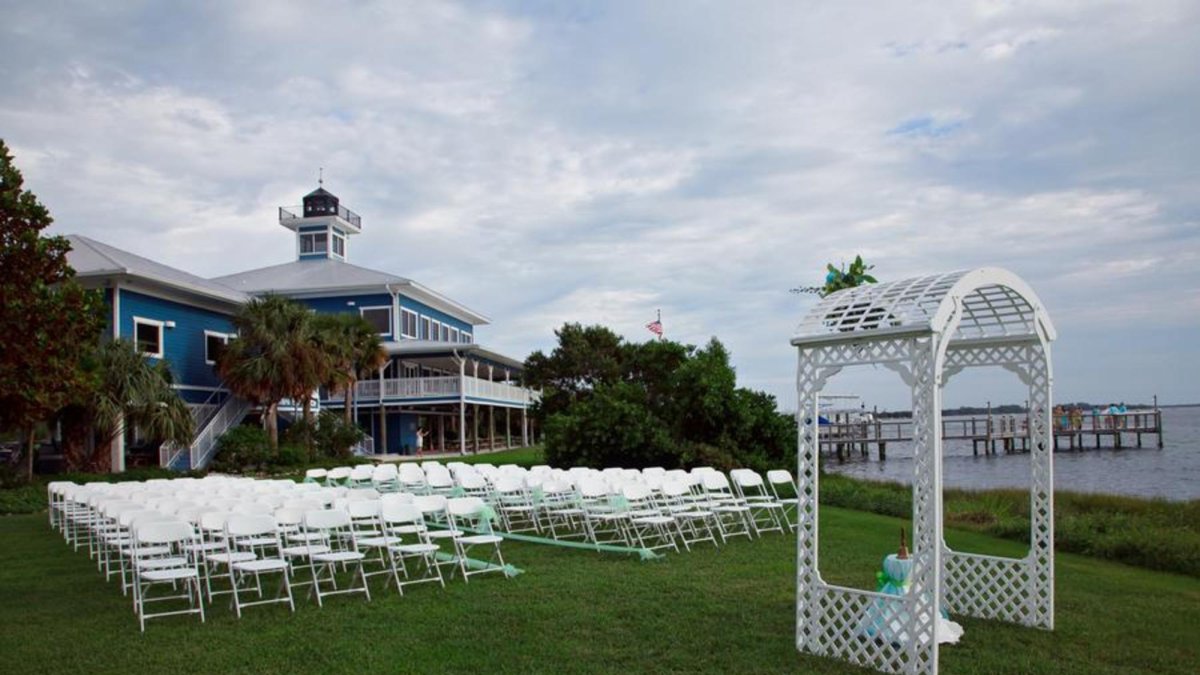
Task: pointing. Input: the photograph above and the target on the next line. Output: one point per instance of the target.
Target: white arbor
(927, 329)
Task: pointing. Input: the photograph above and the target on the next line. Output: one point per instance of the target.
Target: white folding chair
(172, 568)
(406, 517)
(341, 549)
(766, 514)
(469, 513)
(248, 532)
(777, 478)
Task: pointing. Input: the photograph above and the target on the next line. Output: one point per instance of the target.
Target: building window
(425, 327)
(434, 330)
(408, 323)
(411, 370)
(453, 334)
(445, 333)
(148, 335)
(214, 344)
(317, 242)
(339, 246)
(379, 317)
(466, 337)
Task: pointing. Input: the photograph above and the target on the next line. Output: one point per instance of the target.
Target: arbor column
(475, 426)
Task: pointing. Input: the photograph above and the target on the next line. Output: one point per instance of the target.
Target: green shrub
(330, 435)
(243, 449)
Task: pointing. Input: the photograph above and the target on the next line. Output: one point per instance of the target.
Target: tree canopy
(47, 320)
(608, 402)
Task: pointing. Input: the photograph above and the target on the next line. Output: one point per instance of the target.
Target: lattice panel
(995, 355)
(1041, 505)
(986, 587)
(925, 578)
(809, 381)
(864, 628)
(863, 352)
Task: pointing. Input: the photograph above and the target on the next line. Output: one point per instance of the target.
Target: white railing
(205, 442)
(440, 387)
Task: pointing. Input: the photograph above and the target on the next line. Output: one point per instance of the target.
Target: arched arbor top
(997, 306)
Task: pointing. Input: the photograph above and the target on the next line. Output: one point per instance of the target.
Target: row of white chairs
(644, 508)
(196, 539)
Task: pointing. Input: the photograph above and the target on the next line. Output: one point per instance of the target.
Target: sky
(552, 162)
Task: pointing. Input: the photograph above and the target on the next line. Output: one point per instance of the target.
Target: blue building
(437, 379)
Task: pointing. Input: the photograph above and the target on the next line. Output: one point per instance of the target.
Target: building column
(462, 406)
(383, 439)
(507, 428)
(491, 427)
(475, 426)
(524, 428)
(117, 451)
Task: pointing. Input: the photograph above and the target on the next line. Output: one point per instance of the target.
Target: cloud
(595, 163)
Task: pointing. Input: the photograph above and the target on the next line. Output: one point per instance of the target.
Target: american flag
(655, 327)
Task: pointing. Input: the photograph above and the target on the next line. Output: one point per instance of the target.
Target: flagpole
(660, 328)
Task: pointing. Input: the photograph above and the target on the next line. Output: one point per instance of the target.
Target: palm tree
(354, 349)
(125, 391)
(274, 356)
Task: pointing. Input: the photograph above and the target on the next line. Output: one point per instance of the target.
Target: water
(1172, 473)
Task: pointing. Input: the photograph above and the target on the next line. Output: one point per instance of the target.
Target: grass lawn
(727, 610)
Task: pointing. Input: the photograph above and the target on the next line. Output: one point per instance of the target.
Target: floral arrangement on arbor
(838, 278)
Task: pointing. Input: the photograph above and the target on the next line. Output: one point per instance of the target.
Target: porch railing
(439, 387)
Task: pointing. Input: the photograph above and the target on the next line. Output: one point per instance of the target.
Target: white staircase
(204, 443)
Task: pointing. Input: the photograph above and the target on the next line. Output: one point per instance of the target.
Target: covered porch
(457, 397)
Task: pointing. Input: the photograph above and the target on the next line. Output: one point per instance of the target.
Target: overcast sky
(545, 162)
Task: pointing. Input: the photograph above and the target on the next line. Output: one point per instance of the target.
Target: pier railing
(987, 432)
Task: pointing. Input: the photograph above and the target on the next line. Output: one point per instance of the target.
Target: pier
(994, 433)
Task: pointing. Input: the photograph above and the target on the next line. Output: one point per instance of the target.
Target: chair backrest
(394, 513)
(430, 503)
(411, 473)
(339, 473)
(213, 521)
(247, 525)
(290, 516)
(464, 506)
(675, 488)
(714, 481)
(780, 477)
(362, 494)
(396, 498)
(591, 488)
(363, 509)
(362, 472)
(746, 478)
(385, 473)
(326, 519)
(164, 532)
(635, 492)
(509, 485)
(316, 474)
(472, 481)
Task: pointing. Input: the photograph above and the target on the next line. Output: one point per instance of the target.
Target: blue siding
(425, 310)
(338, 304)
(183, 345)
(401, 431)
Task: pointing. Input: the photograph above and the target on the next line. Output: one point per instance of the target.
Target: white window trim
(467, 338)
(416, 323)
(389, 311)
(333, 249)
(454, 333)
(435, 330)
(212, 333)
(315, 251)
(162, 336)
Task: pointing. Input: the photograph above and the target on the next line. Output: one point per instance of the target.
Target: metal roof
(328, 275)
(90, 258)
(996, 304)
(432, 348)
